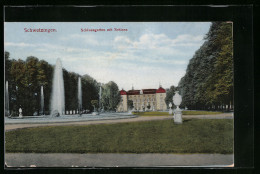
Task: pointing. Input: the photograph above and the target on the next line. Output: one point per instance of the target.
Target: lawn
(200, 113)
(154, 113)
(163, 136)
(183, 112)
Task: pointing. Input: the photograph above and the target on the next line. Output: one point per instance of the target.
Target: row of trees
(25, 79)
(110, 97)
(208, 82)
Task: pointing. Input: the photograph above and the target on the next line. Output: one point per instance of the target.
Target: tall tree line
(25, 79)
(208, 82)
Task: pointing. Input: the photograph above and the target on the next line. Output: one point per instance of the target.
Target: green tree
(8, 65)
(9, 78)
(130, 104)
(222, 76)
(169, 94)
(71, 90)
(110, 96)
(31, 87)
(44, 78)
(17, 93)
(26, 78)
(94, 103)
(208, 82)
(89, 91)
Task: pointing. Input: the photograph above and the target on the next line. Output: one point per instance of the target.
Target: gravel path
(117, 160)
(9, 127)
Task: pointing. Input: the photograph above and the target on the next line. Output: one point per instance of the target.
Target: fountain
(100, 97)
(57, 98)
(6, 99)
(79, 96)
(42, 101)
(57, 106)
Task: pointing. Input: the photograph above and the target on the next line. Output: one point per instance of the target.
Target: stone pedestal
(177, 116)
(170, 111)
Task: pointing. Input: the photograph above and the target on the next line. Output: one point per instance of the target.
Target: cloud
(152, 41)
(41, 49)
(158, 48)
(44, 47)
(21, 44)
(122, 39)
(158, 41)
(148, 48)
(122, 42)
(151, 59)
(126, 74)
(144, 61)
(187, 38)
(88, 39)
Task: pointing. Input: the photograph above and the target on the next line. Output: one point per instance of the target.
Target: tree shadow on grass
(186, 120)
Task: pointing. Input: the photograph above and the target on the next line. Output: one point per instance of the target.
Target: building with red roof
(143, 100)
(160, 90)
(123, 92)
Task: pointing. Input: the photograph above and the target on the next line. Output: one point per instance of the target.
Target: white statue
(20, 113)
(177, 99)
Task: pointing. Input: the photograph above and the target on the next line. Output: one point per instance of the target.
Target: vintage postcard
(119, 94)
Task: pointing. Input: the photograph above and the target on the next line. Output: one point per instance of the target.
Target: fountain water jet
(58, 97)
(6, 99)
(79, 95)
(42, 101)
(100, 97)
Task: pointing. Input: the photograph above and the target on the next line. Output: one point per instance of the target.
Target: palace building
(143, 100)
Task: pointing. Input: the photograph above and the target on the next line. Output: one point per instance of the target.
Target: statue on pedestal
(20, 113)
(177, 99)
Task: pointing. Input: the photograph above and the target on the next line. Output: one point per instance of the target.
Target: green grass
(151, 113)
(200, 113)
(193, 136)
(183, 112)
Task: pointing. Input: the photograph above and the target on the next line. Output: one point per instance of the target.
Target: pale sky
(147, 54)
